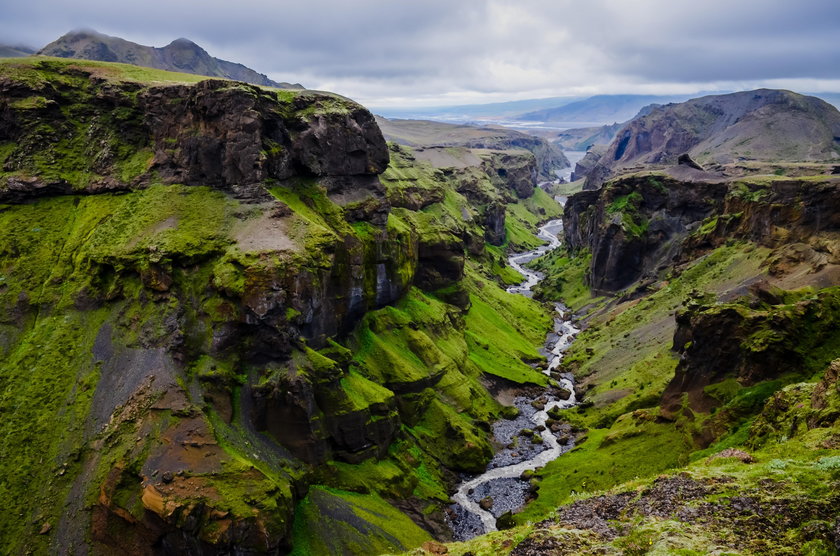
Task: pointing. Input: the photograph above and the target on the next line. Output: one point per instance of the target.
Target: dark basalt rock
(733, 341)
(440, 262)
(588, 163)
(685, 160)
(228, 135)
(215, 134)
(644, 233)
(636, 225)
(516, 172)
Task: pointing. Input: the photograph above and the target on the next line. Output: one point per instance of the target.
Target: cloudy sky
(438, 52)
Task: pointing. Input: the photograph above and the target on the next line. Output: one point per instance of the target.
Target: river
(481, 499)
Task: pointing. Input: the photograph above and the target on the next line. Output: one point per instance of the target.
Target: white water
(564, 331)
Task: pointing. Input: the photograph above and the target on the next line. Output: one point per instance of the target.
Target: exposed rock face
(733, 341)
(635, 225)
(797, 409)
(785, 211)
(314, 418)
(588, 163)
(762, 125)
(181, 55)
(639, 224)
(512, 171)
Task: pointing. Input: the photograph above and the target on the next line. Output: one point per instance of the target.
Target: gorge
(235, 319)
(514, 462)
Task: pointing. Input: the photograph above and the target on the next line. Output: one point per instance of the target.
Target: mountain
(764, 125)
(831, 98)
(181, 55)
(423, 133)
(18, 51)
(600, 109)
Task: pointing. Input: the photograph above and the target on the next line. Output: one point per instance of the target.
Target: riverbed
(532, 439)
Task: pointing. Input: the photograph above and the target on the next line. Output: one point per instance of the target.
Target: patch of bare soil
(264, 232)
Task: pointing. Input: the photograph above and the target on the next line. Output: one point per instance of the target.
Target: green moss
(564, 280)
(625, 202)
(504, 330)
(499, 267)
(362, 392)
(30, 103)
(632, 221)
(453, 438)
(752, 191)
(635, 446)
(409, 182)
(38, 69)
(135, 165)
(47, 380)
(330, 521)
(407, 471)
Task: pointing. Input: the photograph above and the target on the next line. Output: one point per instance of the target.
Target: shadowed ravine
(503, 482)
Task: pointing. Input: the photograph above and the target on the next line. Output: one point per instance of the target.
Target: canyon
(236, 319)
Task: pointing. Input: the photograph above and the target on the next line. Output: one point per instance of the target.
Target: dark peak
(183, 43)
(82, 33)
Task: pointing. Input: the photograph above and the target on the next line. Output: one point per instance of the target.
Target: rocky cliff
(181, 55)
(214, 297)
(640, 225)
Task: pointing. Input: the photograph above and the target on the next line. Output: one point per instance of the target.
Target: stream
(473, 512)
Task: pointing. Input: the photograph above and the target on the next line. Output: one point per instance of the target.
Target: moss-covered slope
(209, 305)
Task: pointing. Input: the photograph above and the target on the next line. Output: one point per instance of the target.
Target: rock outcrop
(226, 135)
(588, 163)
(784, 337)
(635, 225)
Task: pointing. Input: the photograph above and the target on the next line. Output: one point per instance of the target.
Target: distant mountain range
(601, 109)
(17, 51)
(469, 112)
(181, 55)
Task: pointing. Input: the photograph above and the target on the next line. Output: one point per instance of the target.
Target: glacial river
(480, 500)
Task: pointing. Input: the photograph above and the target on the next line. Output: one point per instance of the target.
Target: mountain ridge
(762, 126)
(181, 55)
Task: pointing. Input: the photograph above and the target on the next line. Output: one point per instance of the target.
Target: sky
(408, 53)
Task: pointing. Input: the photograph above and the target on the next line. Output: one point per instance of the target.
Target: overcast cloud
(429, 52)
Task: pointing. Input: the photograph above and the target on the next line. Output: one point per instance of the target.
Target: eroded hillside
(236, 319)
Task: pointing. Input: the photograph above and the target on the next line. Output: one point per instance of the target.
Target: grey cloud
(372, 49)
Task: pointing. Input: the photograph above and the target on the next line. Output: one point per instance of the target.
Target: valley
(243, 318)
